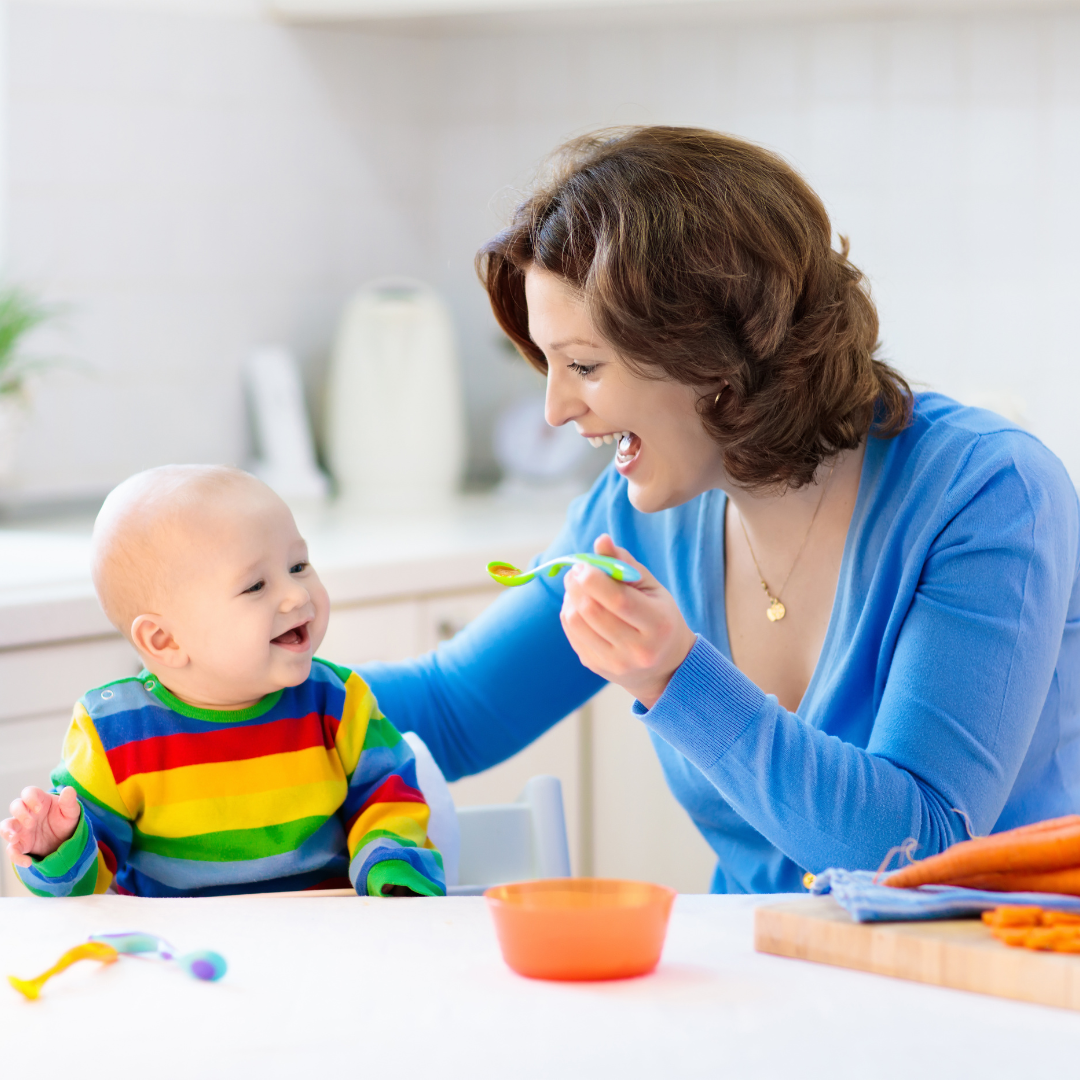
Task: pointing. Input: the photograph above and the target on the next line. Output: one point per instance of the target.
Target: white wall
(194, 185)
(190, 187)
(946, 148)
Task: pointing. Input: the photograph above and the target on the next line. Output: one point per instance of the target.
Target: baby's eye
(298, 568)
(257, 587)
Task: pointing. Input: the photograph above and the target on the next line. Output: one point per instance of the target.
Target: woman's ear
(153, 639)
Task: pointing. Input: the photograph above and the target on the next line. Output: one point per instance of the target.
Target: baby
(236, 762)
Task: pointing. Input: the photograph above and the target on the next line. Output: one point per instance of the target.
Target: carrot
(1055, 846)
(1044, 938)
(1033, 928)
(1013, 916)
(1052, 881)
(1068, 821)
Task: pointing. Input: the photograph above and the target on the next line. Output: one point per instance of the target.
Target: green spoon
(508, 574)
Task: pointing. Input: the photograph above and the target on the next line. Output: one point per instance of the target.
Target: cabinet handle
(445, 629)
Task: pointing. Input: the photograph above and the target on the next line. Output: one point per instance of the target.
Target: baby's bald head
(153, 522)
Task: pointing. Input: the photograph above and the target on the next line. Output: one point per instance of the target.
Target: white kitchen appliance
(285, 449)
(395, 430)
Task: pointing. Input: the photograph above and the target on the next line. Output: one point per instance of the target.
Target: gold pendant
(775, 611)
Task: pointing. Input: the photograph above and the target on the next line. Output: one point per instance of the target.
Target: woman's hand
(633, 635)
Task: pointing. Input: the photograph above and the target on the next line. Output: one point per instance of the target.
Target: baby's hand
(39, 823)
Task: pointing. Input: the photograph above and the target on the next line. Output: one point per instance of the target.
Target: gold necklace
(776, 610)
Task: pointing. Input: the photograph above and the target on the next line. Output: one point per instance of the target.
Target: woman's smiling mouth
(295, 639)
(627, 446)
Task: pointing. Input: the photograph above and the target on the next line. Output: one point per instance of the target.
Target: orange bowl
(581, 928)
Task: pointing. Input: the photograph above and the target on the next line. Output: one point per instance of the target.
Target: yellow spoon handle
(90, 950)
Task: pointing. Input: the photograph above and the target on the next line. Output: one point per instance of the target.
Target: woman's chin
(649, 498)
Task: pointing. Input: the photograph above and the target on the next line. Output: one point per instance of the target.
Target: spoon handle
(89, 950)
(507, 574)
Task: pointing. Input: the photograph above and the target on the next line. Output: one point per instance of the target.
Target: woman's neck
(776, 523)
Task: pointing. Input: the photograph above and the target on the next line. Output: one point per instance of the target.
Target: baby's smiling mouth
(295, 639)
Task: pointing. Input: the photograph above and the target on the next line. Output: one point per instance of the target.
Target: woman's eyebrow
(559, 345)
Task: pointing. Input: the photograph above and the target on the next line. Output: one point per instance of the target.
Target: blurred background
(193, 178)
(191, 183)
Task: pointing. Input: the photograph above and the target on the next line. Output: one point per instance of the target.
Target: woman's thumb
(604, 545)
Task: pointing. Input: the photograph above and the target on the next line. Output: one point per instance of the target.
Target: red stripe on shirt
(107, 856)
(393, 790)
(222, 744)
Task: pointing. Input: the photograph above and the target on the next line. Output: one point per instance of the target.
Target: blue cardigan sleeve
(957, 698)
(495, 687)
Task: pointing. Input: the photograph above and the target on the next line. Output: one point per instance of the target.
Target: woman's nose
(562, 401)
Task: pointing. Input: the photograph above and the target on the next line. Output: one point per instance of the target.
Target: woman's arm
(498, 685)
(956, 703)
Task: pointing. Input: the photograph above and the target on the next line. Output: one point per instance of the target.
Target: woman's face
(662, 449)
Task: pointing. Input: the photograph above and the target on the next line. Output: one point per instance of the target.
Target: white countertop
(328, 986)
(46, 594)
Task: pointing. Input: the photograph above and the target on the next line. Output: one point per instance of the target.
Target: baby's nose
(295, 596)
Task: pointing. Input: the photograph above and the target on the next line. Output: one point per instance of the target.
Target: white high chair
(483, 846)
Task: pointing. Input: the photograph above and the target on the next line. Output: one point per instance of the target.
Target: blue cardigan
(949, 677)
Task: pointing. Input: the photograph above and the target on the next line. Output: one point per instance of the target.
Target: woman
(858, 614)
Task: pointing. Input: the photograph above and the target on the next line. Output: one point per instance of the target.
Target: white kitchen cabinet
(46, 678)
(572, 11)
(364, 632)
(639, 831)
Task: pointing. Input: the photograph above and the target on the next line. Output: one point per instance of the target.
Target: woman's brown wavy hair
(708, 260)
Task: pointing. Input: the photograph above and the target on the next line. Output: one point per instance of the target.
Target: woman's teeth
(599, 440)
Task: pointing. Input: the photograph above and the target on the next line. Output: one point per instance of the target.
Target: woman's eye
(582, 369)
(257, 587)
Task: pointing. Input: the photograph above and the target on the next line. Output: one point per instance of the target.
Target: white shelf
(638, 10)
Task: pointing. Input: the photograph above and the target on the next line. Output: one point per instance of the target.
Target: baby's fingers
(17, 857)
(22, 814)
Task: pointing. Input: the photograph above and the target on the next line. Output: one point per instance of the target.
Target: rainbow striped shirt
(311, 788)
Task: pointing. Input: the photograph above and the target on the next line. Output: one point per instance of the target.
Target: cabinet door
(29, 750)
(367, 632)
(639, 830)
(441, 617)
(50, 678)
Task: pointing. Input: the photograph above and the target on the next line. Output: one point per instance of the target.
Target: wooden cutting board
(961, 953)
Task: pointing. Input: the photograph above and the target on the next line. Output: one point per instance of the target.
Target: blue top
(949, 676)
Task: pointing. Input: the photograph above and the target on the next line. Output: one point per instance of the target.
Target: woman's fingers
(604, 545)
(629, 605)
(594, 651)
(580, 610)
(632, 634)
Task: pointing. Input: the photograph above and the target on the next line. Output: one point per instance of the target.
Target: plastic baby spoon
(89, 950)
(202, 964)
(508, 574)
(209, 966)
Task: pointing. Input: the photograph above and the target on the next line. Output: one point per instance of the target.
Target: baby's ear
(153, 639)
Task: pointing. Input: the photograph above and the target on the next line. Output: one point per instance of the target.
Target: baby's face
(244, 603)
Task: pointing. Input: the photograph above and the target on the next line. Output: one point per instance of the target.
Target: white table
(328, 986)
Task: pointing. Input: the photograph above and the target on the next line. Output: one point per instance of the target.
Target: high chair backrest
(514, 842)
(489, 845)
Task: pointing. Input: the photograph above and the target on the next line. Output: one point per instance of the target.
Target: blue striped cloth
(856, 893)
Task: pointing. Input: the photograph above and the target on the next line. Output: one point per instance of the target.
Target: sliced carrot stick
(1013, 916)
(1060, 918)
(1035, 851)
(1052, 881)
